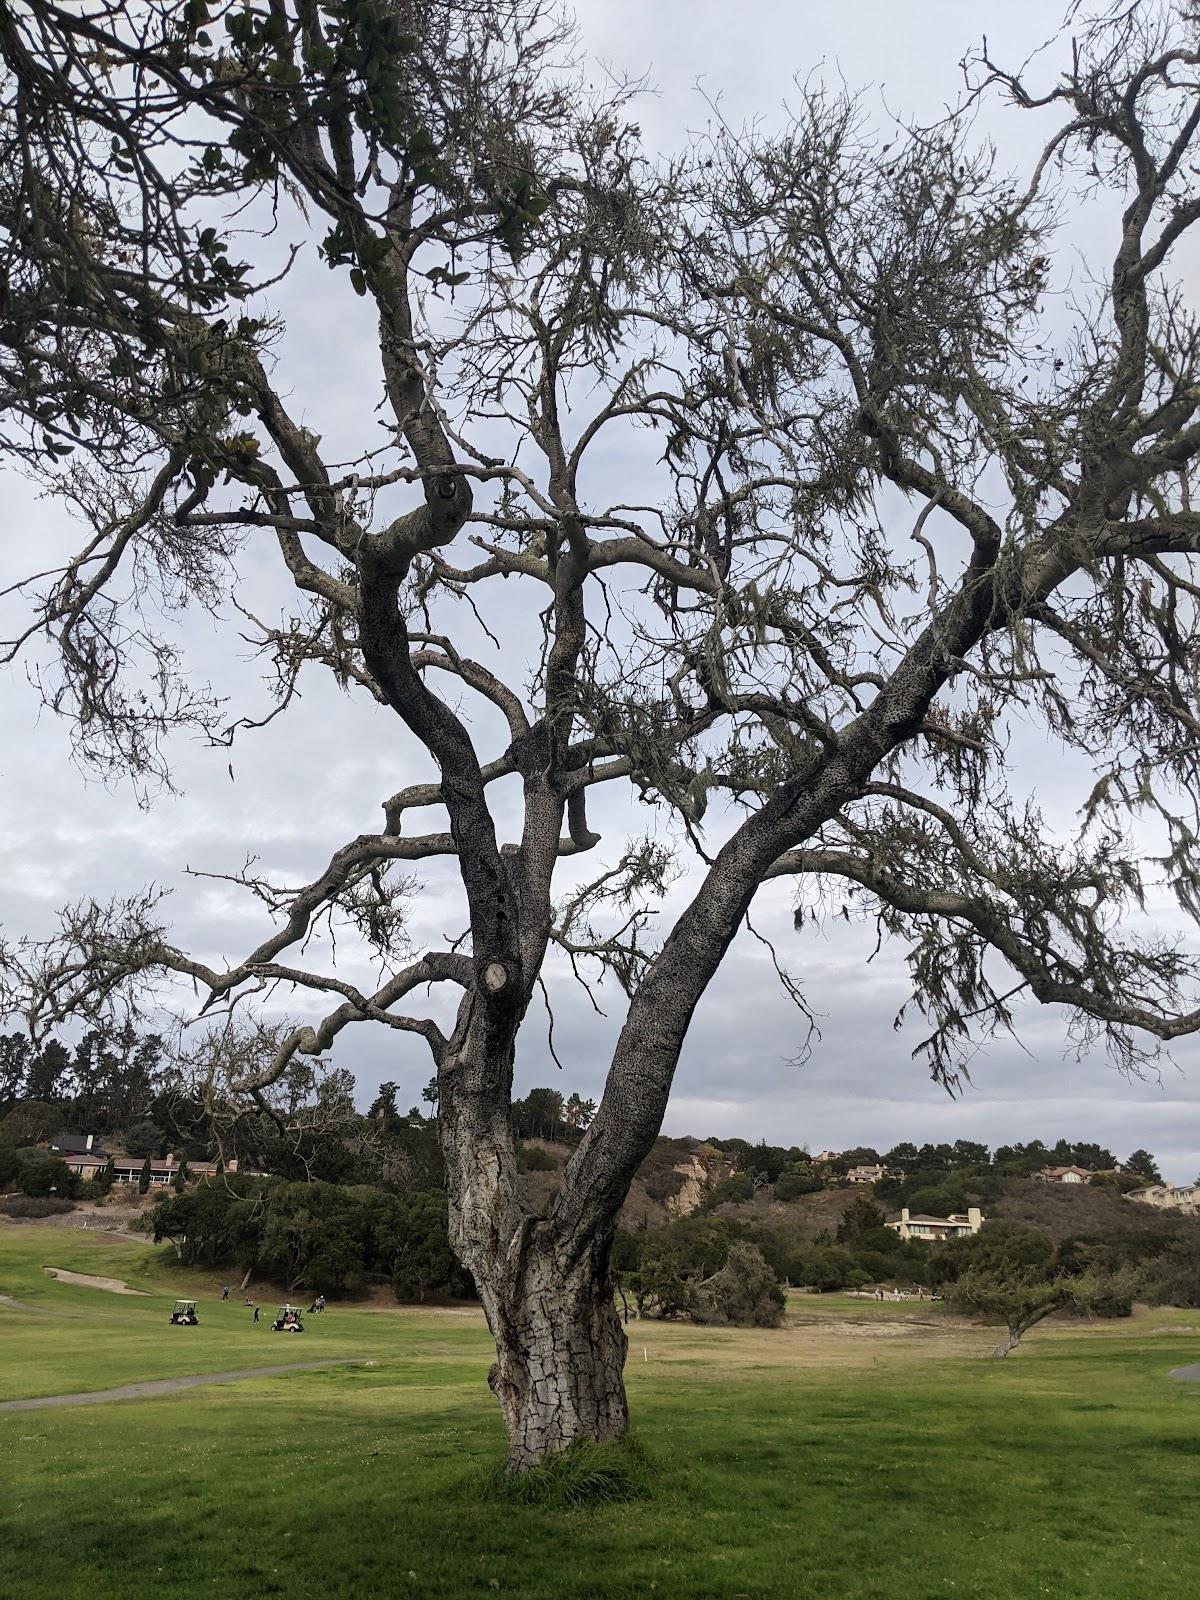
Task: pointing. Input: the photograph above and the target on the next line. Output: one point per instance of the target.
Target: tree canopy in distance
(898, 508)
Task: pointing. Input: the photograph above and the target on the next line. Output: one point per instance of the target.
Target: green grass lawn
(849, 1456)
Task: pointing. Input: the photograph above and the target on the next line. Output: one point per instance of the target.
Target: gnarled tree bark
(560, 1346)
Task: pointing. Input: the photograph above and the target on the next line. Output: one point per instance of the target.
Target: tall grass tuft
(586, 1474)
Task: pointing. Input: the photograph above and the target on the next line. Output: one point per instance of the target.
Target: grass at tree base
(585, 1474)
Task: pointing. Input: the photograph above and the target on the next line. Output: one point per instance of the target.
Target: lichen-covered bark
(560, 1354)
(560, 1346)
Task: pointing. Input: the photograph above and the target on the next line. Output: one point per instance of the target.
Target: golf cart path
(143, 1391)
(87, 1280)
(24, 1305)
(1188, 1374)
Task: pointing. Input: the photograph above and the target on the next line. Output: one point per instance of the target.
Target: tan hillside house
(937, 1230)
(866, 1174)
(82, 1155)
(1182, 1197)
(1064, 1175)
(163, 1169)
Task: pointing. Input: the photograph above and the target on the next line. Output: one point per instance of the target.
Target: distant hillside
(1064, 1211)
(808, 1216)
(679, 1173)
(671, 1182)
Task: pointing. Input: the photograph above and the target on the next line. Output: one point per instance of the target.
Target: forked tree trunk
(560, 1351)
(547, 1287)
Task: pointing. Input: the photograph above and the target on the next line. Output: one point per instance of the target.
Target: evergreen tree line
(111, 1080)
(126, 1088)
(935, 1178)
(124, 1081)
(357, 1199)
(765, 1164)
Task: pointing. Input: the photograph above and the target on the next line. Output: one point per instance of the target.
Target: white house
(866, 1174)
(937, 1230)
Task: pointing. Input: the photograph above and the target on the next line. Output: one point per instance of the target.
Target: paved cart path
(24, 1305)
(142, 1391)
(1188, 1374)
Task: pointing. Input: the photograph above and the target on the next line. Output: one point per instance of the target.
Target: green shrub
(796, 1180)
(1173, 1278)
(730, 1191)
(532, 1158)
(824, 1267)
(41, 1172)
(745, 1293)
(10, 1166)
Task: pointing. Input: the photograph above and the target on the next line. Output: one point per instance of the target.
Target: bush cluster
(325, 1237)
(31, 1206)
(35, 1172)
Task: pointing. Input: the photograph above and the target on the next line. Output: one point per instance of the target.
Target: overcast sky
(304, 785)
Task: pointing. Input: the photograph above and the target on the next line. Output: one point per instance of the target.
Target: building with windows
(1182, 1197)
(80, 1154)
(937, 1230)
(83, 1156)
(163, 1169)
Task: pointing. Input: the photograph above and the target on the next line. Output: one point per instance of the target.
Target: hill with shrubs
(314, 1195)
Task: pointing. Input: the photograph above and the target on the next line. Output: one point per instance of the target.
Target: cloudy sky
(299, 788)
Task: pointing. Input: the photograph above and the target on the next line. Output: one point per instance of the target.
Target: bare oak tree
(917, 485)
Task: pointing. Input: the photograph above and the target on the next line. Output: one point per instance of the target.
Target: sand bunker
(86, 1280)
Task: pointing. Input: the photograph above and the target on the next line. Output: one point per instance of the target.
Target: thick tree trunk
(1008, 1344)
(547, 1290)
(560, 1351)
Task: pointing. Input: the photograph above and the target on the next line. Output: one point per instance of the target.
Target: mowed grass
(859, 1453)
